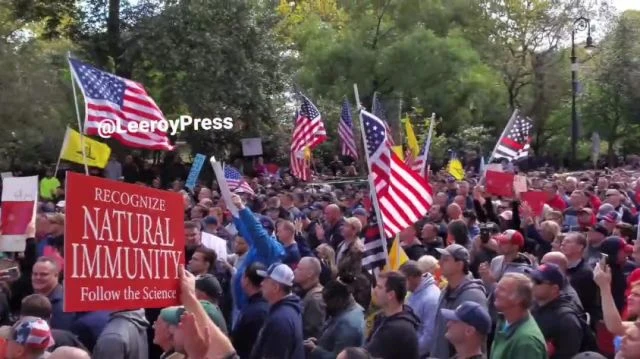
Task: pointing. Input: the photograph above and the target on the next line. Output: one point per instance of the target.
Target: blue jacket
(89, 325)
(248, 325)
(60, 319)
(281, 335)
(263, 248)
(424, 302)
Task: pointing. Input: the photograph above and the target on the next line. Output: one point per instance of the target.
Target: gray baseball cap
(456, 251)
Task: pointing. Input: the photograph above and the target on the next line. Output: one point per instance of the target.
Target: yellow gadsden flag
(398, 151)
(412, 141)
(455, 169)
(397, 256)
(97, 153)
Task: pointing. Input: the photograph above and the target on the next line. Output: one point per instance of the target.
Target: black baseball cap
(209, 285)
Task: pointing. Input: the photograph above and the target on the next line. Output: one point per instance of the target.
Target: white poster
(520, 184)
(252, 146)
(19, 201)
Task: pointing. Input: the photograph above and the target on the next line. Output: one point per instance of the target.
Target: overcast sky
(623, 5)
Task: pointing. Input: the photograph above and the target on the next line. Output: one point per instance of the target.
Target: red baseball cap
(511, 236)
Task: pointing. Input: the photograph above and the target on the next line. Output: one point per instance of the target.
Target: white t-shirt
(216, 243)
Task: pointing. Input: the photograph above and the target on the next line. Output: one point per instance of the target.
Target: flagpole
(75, 99)
(427, 144)
(515, 113)
(64, 145)
(372, 188)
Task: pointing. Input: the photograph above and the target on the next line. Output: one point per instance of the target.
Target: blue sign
(196, 167)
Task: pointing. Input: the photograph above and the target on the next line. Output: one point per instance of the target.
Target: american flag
(113, 99)
(374, 254)
(418, 162)
(308, 133)
(381, 113)
(236, 181)
(403, 195)
(514, 145)
(345, 131)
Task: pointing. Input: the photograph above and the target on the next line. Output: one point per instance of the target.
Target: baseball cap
(209, 285)
(612, 245)
(210, 220)
(359, 212)
(511, 236)
(32, 332)
(548, 273)
(172, 315)
(604, 209)
(600, 229)
(456, 251)
(589, 355)
(278, 272)
(612, 217)
(470, 313)
(267, 223)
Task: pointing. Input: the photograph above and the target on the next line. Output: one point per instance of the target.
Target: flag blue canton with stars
(375, 133)
(99, 85)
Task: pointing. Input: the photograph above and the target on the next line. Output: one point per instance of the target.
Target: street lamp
(580, 24)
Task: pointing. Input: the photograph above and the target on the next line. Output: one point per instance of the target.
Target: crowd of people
(486, 277)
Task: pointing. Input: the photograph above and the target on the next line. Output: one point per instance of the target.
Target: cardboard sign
(499, 183)
(535, 200)
(252, 147)
(19, 200)
(196, 167)
(123, 245)
(520, 184)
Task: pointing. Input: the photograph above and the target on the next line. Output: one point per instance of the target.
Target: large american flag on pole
(236, 181)
(381, 113)
(116, 101)
(345, 132)
(308, 133)
(403, 195)
(514, 143)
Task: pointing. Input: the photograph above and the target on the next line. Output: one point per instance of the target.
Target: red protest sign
(535, 200)
(123, 245)
(499, 183)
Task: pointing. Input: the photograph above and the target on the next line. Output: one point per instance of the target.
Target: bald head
(69, 353)
(454, 211)
(312, 264)
(332, 213)
(557, 258)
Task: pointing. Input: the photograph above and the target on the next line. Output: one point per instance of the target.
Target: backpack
(589, 342)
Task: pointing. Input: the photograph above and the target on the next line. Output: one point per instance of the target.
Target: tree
(612, 103)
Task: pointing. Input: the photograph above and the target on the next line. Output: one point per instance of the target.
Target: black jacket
(64, 338)
(395, 337)
(560, 324)
(248, 325)
(415, 251)
(581, 279)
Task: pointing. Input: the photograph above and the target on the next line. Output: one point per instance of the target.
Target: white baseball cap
(278, 272)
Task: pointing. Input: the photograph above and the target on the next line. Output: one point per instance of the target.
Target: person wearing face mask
(345, 324)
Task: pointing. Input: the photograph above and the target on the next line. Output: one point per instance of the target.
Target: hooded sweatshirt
(395, 336)
(124, 337)
(521, 264)
(469, 290)
(281, 335)
(424, 302)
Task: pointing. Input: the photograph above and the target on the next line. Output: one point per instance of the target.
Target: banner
(97, 153)
(196, 167)
(123, 248)
(19, 201)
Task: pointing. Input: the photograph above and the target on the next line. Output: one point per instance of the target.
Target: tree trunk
(113, 33)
